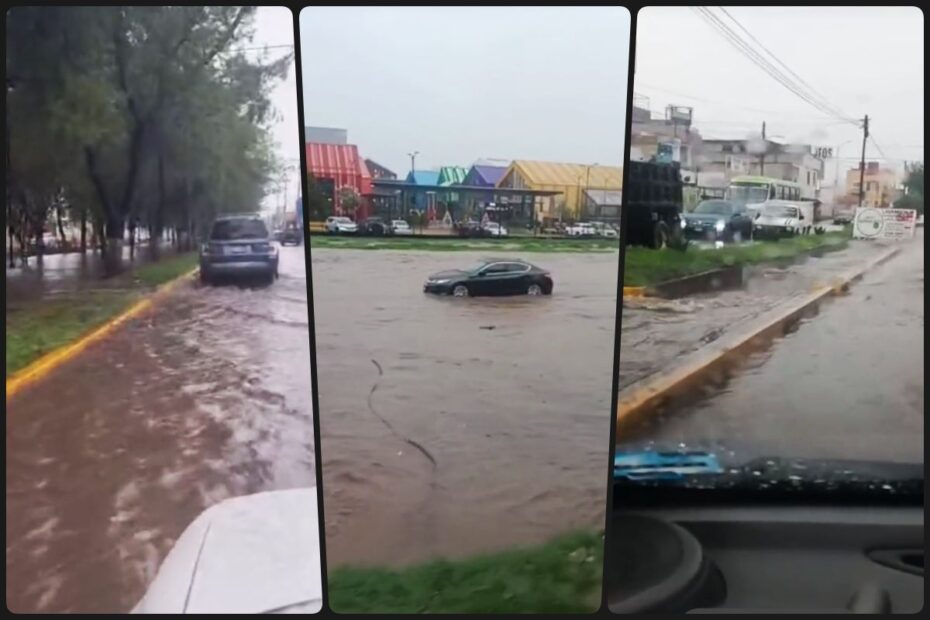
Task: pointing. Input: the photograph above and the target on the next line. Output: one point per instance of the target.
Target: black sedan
(491, 277)
(717, 220)
(374, 227)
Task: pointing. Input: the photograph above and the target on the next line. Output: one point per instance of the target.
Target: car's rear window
(230, 230)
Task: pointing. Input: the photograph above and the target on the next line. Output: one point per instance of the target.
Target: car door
(492, 280)
(518, 278)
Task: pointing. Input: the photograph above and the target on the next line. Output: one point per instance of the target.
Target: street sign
(873, 223)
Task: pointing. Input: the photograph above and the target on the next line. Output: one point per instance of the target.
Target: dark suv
(374, 227)
(291, 234)
(238, 246)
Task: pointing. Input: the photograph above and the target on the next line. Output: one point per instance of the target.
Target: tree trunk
(113, 248)
(61, 227)
(40, 245)
(156, 224)
(12, 251)
(83, 231)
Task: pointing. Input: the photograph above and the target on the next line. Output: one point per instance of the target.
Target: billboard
(873, 223)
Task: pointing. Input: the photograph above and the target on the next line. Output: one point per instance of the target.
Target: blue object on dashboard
(664, 465)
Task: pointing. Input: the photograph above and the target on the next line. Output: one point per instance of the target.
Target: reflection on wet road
(455, 426)
(115, 453)
(847, 383)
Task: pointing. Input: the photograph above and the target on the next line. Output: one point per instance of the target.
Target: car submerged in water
(239, 246)
(491, 278)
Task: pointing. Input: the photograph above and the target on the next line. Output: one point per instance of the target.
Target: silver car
(239, 246)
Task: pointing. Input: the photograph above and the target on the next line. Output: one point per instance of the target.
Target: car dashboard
(702, 557)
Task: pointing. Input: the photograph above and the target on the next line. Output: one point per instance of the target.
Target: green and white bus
(752, 191)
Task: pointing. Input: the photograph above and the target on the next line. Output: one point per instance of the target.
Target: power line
(736, 41)
(810, 88)
(725, 103)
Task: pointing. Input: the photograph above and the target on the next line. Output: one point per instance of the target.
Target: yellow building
(880, 185)
(571, 180)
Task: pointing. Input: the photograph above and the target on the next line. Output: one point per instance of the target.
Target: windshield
(230, 230)
(716, 207)
(747, 194)
(778, 211)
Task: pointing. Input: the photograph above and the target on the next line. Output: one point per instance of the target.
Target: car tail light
(261, 247)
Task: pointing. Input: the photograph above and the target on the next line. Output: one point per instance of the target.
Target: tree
(319, 207)
(349, 200)
(155, 114)
(914, 189)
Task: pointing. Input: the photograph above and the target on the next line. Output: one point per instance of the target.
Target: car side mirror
(801, 217)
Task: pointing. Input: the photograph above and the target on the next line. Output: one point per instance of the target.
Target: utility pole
(865, 136)
(413, 160)
(765, 147)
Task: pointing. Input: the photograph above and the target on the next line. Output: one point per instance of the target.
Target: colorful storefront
(341, 176)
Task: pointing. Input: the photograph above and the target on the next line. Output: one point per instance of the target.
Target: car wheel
(534, 290)
(204, 278)
(460, 290)
(736, 237)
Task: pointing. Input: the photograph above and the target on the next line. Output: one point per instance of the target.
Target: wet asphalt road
(451, 427)
(110, 457)
(846, 384)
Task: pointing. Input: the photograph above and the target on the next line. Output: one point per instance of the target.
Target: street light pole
(413, 160)
(865, 136)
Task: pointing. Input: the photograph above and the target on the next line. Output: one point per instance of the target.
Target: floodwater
(55, 274)
(847, 383)
(451, 427)
(110, 457)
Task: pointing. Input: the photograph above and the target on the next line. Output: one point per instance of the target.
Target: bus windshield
(747, 194)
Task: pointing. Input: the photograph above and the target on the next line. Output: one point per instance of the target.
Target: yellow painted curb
(634, 291)
(647, 395)
(55, 358)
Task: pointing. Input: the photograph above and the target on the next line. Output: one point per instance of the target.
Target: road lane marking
(44, 365)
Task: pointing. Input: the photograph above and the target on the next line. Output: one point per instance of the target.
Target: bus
(752, 191)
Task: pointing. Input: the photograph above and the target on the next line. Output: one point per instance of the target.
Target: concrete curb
(55, 358)
(646, 396)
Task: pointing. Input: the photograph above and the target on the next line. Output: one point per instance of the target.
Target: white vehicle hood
(769, 220)
(252, 554)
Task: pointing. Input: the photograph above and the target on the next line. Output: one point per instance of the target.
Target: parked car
(291, 234)
(400, 227)
(471, 229)
(602, 229)
(374, 227)
(783, 218)
(238, 246)
(717, 220)
(276, 234)
(494, 229)
(339, 224)
(491, 277)
(581, 229)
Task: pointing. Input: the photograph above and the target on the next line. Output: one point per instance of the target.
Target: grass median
(563, 576)
(453, 244)
(645, 267)
(37, 327)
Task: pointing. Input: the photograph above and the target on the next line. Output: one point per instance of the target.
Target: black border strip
(621, 267)
(311, 321)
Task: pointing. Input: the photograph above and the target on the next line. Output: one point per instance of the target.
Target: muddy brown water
(451, 427)
(111, 456)
(844, 383)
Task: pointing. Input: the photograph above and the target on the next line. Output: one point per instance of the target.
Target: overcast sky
(462, 83)
(274, 26)
(863, 60)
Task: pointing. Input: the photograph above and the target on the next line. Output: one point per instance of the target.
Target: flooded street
(456, 426)
(111, 456)
(847, 383)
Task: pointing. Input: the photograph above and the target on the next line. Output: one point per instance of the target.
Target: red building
(338, 166)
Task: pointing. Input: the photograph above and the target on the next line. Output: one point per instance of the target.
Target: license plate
(237, 249)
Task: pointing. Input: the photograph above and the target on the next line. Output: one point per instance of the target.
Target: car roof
(505, 260)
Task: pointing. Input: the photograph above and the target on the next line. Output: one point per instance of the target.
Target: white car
(338, 224)
(581, 230)
(400, 227)
(252, 554)
(494, 229)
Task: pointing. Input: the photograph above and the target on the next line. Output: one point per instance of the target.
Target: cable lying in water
(384, 421)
